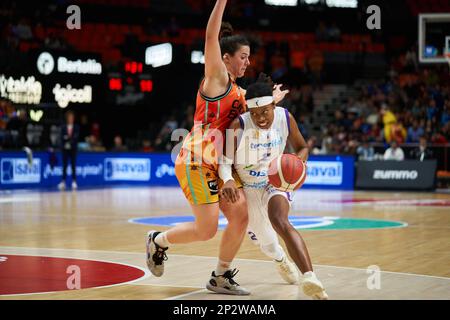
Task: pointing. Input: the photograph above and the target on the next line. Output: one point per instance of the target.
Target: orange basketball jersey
(214, 115)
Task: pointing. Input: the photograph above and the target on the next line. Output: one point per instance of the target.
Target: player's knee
(205, 234)
(280, 224)
(240, 216)
(237, 214)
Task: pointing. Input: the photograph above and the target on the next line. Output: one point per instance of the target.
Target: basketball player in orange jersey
(261, 135)
(219, 101)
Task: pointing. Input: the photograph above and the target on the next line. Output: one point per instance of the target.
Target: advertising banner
(396, 175)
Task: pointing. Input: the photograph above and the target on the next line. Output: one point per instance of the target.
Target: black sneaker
(156, 255)
(225, 284)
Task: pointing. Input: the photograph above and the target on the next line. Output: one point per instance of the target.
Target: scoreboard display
(130, 85)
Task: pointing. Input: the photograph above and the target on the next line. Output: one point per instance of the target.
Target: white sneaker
(225, 284)
(312, 287)
(156, 255)
(287, 270)
(74, 185)
(62, 186)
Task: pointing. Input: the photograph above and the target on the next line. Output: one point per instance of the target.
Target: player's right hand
(230, 192)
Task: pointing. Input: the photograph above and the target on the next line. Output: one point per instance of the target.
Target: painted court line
(215, 258)
(186, 294)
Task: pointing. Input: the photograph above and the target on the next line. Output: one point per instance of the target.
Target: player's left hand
(279, 94)
(230, 192)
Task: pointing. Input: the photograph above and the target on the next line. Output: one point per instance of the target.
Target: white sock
(309, 274)
(161, 240)
(222, 267)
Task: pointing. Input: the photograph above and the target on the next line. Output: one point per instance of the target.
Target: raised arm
(296, 140)
(214, 66)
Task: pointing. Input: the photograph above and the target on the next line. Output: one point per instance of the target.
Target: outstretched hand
(230, 192)
(278, 94)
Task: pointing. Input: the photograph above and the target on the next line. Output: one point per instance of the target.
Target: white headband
(259, 102)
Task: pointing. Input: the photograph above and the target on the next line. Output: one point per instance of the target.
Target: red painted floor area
(34, 274)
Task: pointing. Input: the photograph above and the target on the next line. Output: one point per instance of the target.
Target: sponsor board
(18, 171)
(126, 169)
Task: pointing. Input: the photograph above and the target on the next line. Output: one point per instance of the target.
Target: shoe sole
(311, 289)
(287, 278)
(289, 281)
(226, 291)
(148, 257)
(320, 296)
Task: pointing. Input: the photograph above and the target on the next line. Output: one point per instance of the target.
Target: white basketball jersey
(258, 147)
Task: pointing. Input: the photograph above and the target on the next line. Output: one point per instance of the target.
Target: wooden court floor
(364, 245)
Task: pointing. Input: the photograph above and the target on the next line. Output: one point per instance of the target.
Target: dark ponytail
(230, 43)
(226, 30)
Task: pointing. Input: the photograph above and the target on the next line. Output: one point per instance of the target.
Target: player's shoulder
(284, 112)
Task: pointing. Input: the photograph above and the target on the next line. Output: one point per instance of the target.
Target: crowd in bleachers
(412, 102)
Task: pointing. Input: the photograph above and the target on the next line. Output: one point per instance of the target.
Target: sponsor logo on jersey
(213, 187)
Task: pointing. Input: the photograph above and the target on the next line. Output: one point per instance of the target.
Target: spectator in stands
(94, 144)
(278, 64)
(302, 127)
(422, 152)
(17, 129)
(321, 32)
(432, 110)
(311, 143)
(22, 30)
(445, 115)
(147, 146)
(411, 62)
(398, 133)
(118, 144)
(95, 130)
(429, 128)
(446, 131)
(438, 138)
(334, 33)
(327, 140)
(414, 132)
(188, 121)
(70, 132)
(315, 66)
(375, 134)
(365, 151)
(389, 120)
(173, 29)
(394, 152)
(85, 130)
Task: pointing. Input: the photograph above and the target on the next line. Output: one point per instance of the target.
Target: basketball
(287, 172)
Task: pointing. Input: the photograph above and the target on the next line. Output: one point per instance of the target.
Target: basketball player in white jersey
(265, 130)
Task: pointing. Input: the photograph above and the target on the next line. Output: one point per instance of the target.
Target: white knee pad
(273, 250)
